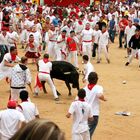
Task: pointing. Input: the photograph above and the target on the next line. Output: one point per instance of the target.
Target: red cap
(11, 104)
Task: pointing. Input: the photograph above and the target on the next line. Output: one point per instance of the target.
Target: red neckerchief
(103, 31)
(80, 22)
(90, 20)
(63, 36)
(87, 28)
(82, 100)
(13, 57)
(90, 86)
(31, 45)
(46, 60)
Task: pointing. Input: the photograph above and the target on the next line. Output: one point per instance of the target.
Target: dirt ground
(121, 97)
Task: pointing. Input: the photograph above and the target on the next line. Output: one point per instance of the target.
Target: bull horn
(67, 72)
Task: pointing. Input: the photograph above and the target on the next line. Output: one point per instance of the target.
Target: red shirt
(122, 24)
(71, 44)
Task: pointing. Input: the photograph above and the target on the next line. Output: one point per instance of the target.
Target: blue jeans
(92, 125)
(112, 35)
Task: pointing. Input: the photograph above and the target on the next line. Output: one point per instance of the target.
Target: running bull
(65, 71)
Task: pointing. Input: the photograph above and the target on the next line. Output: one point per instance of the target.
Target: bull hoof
(58, 94)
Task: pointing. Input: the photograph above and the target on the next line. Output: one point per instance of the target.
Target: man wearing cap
(20, 76)
(10, 121)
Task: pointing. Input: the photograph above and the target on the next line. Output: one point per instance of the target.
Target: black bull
(65, 71)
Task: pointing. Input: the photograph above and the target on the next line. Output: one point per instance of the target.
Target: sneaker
(127, 63)
(56, 99)
(35, 94)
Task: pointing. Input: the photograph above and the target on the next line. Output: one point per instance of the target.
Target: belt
(18, 87)
(52, 40)
(87, 41)
(44, 72)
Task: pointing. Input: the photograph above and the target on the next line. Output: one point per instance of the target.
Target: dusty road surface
(121, 97)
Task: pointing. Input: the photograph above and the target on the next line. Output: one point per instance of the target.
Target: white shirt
(61, 42)
(28, 109)
(9, 122)
(19, 76)
(4, 39)
(37, 37)
(96, 36)
(78, 27)
(129, 31)
(81, 111)
(87, 35)
(7, 57)
(92, 97)
(87, 69)
(13, 37)
(45, 67)
(29, 23)
(103, 38)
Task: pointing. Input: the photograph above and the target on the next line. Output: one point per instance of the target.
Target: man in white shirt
(81, 112)
(45, 67)
(10, 121)
(94, 93)
(87, 38)
(103, 44)
(27, 108)
(61, 46)
(97, 33)
(8, 62)
(20, 76)
(88, 67)
(52, 34)
(129, 32)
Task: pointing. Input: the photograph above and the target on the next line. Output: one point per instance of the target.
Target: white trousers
(51, 49)
(58, 53)
(15, 93)
(104, 48)
(3, 138)
(81, 136)
(47, 78)
(72, 58)
(133, 54)
(86, 48)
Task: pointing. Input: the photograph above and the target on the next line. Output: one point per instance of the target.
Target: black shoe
(56, 99)
(127, 63)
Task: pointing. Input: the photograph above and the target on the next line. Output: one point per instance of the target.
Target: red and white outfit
(93, 93)
(87, 38)
(32, 50)
(61, 53)
(81, 111)
(52, 43)
(103, 42)
(9, 123)
(88, 68)
(28, 109)
(5, 71)
(129, 32)
(44, 75)
(72, 47)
